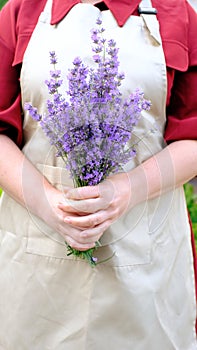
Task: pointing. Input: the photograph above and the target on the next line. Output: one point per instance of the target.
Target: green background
(2, 2)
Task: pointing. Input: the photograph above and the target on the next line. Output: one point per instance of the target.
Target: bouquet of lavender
(91, 128)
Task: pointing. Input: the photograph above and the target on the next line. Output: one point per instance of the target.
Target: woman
(144, 296)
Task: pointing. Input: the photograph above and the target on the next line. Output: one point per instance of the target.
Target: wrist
(139, 188)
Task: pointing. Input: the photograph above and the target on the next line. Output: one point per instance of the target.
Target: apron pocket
(41, 240)
(133, 248)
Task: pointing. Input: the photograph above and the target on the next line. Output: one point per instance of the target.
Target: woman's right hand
(54, 217)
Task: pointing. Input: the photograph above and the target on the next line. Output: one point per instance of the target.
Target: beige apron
(143, 298)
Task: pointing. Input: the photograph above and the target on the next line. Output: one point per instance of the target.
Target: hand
(97, 207)
(54, 217)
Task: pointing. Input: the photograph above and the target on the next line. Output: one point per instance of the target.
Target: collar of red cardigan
(121, 9)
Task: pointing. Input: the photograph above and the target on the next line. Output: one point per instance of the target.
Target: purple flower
(53, 58)
(77, 61)
(33, 111)
(98, 21)
(94, 260)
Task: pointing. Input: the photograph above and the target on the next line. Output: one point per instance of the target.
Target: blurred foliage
(191, 198)
(2, 3)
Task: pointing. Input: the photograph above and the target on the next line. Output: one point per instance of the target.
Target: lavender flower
(91, 125)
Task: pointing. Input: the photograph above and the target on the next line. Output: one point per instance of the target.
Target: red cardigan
(178, 26)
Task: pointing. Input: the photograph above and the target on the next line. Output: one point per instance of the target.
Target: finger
(69, 207)
(96, 232)
(75, 234)
(83, 192)
(66, 230)
(87, 221)
(83, 206)
(69, 211)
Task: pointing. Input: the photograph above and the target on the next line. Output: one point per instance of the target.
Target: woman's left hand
(97, 207)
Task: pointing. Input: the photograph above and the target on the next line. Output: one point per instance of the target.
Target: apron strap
(146, 4)
(45, 16)
(148, 13)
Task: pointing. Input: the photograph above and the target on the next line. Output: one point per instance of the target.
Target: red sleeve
(182, 103)
(10, 111)
(17, 21)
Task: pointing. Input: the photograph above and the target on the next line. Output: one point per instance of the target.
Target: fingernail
(68, 220)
